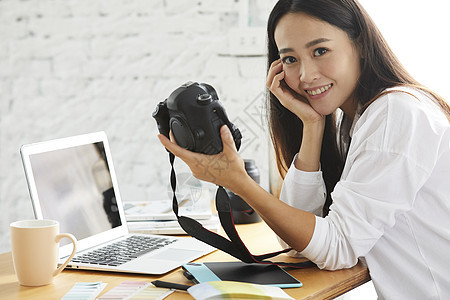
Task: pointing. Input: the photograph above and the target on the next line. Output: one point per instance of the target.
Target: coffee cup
(35, 249)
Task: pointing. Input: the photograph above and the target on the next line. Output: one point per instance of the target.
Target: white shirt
(392, 204)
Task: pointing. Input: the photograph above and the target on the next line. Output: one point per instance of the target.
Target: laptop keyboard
(123, 251)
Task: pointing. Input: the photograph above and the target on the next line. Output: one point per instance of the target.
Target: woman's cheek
(291, 80)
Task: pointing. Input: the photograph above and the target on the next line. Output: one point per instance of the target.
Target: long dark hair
(380, 69)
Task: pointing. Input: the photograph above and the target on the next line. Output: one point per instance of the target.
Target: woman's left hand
(224, 169)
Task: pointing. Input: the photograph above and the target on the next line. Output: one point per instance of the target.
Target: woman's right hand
(291, 100)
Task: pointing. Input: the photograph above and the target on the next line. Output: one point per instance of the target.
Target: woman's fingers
(274, 80)
(212, 168)
(275, 68)
(173, 147)
(277, 88)
(227, 139)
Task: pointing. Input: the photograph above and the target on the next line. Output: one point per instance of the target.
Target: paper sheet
(133, 290)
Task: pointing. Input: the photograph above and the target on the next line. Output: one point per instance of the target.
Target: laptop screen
(74, 186)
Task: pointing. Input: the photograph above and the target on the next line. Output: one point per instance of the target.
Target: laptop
(72, 180)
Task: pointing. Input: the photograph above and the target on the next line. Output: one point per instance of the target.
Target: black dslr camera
(194, 115)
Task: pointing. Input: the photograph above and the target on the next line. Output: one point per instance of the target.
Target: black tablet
(239, 271)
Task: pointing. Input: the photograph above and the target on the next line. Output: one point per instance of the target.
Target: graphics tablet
(239, 271)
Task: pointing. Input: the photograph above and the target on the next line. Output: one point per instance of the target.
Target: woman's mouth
(318, 91)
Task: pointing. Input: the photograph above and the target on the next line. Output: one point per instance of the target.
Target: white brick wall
(70, 67)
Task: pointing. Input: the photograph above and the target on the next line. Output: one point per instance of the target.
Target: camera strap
(234, 245)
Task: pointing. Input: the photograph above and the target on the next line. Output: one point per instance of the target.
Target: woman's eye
(289, 60)
(320, 51)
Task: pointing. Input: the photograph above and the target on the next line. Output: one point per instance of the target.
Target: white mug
(35, 249)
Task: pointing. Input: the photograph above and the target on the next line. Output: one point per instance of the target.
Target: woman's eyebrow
(285, 50)
(316, 41)
(308, 45)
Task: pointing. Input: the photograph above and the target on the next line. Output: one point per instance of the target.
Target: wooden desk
(317, 284)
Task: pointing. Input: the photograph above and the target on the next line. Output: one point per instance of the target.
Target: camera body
(194, 115)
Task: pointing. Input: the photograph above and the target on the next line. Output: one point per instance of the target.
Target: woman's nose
(308, 72)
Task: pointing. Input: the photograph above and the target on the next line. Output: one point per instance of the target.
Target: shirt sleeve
(364, 205)
(387, 164)
(305, 191)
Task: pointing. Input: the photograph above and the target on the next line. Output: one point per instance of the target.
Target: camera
(194, 115)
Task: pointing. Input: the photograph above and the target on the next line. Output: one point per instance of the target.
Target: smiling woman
(321, 64)
(331, 74)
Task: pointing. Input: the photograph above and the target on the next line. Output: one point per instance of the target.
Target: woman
(363, 148)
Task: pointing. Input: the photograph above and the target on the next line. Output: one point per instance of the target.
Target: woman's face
(320, 62)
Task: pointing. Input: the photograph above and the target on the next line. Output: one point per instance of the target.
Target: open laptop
(72, 180)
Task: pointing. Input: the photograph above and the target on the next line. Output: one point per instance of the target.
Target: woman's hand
(308, 158)
(294, 102)
(225, 169)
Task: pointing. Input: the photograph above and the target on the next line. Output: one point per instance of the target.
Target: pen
(170, 285)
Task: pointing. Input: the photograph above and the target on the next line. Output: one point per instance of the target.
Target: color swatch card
(133, 290)
(84, 291)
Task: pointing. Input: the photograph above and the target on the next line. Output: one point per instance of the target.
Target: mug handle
(74, 250)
